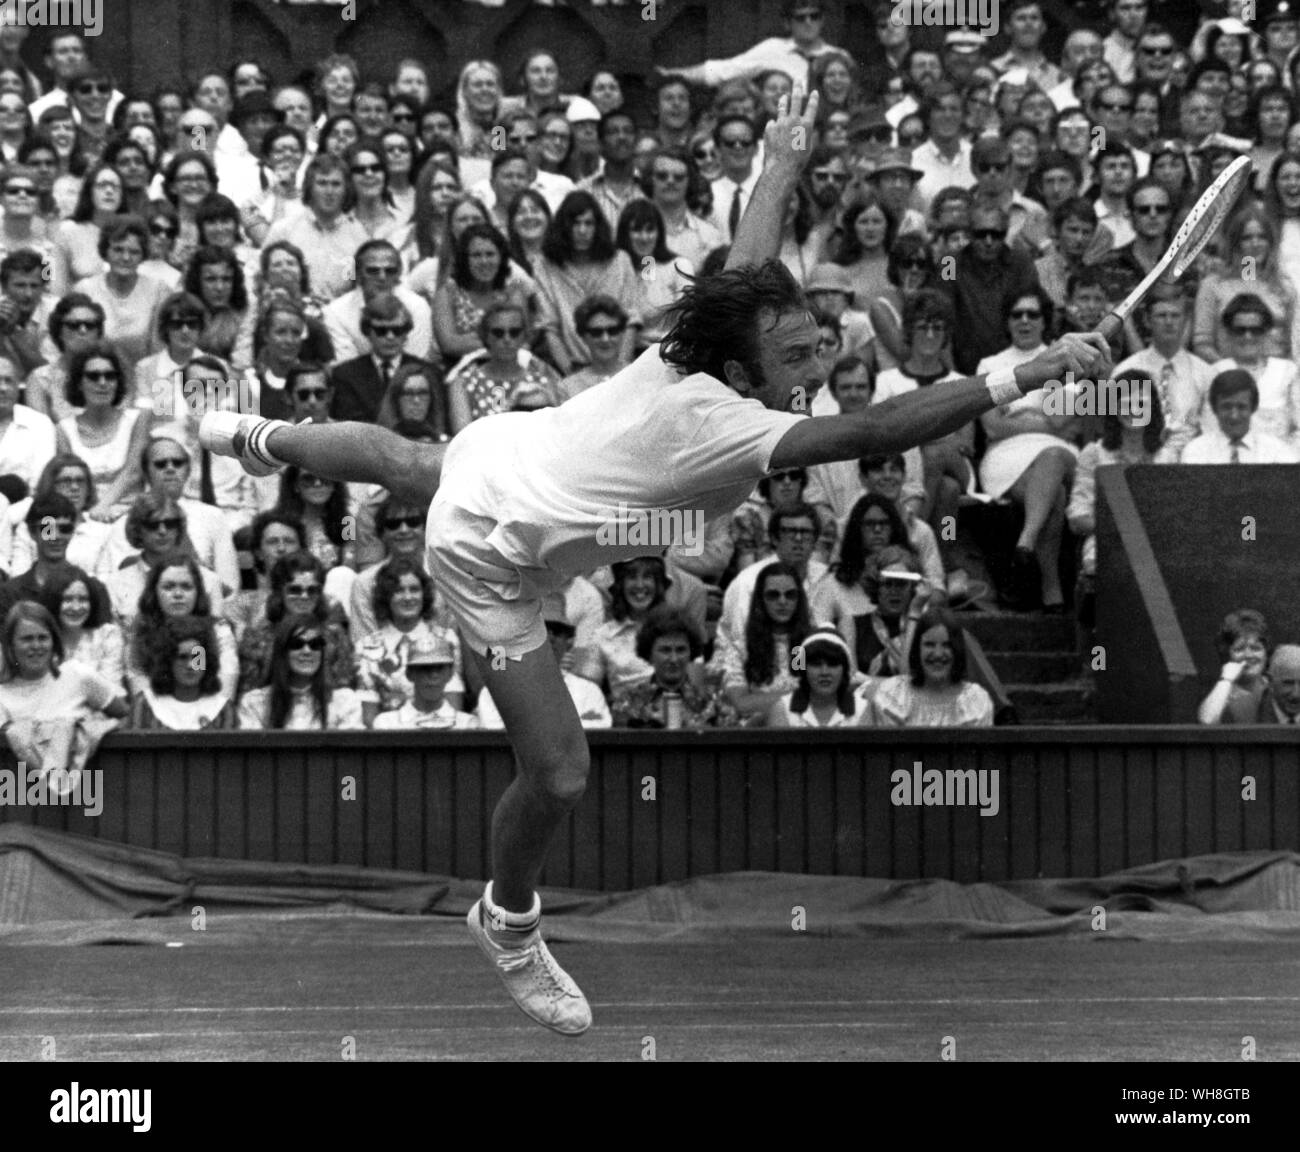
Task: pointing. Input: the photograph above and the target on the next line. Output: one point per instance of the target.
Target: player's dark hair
(718, 317)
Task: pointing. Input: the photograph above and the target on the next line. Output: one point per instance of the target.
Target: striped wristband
(1002, 386)
(258, 443)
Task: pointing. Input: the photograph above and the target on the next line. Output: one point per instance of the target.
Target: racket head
(1208, 214)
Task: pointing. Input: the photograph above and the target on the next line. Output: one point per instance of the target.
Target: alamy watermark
(654, 529)
(978, 15)
(23, 787)
(948, 788)
(196, 398)
(1099, 398)
(87, 15)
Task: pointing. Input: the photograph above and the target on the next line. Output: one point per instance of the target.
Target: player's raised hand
(788, 141)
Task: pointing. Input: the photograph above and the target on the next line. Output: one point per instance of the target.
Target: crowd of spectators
(355, 248)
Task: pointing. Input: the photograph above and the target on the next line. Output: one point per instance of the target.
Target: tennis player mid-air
(521, 500)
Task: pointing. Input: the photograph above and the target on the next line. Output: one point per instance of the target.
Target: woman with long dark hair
(756, 670)
(182, 691)
(874, 525)
(479, 279)
(79, 604)
(869, 233)
(297, 587)
(641, 235)
(322, 506)
(300, 696)
(579, 260)
(911, 268)
(215, 277)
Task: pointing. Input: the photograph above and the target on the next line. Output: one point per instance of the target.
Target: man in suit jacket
(360, 383)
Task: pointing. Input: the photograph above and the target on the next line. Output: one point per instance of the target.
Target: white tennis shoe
(543, 989)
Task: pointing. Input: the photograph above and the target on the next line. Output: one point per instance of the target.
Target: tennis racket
(1205, 218)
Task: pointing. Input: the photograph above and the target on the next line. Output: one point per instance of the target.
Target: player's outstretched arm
(905, 421)
(362, 454)
(787, 146)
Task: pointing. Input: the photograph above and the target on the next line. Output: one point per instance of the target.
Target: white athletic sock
(504, 925)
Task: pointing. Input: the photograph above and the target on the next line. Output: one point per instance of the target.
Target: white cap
(579, 109)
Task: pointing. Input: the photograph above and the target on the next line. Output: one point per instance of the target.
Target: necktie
(808, 58)
(1164, 386)
(386, 370)
(1235, 458)
(733, 217)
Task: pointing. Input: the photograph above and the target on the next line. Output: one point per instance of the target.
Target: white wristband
(1002, 386)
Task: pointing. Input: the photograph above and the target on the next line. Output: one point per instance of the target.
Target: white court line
(711, 1005)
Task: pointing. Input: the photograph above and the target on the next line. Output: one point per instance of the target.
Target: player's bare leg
(553, 761)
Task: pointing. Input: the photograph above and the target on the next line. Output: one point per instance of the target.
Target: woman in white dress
(934, 692)
(183, 691)
(108, 434)
(1028, 457)
(825, 696)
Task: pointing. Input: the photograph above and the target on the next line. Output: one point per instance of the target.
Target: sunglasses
(797, 477)
(367, 169)
(403, 117)
(503, 333)
(989, 234)
(994, 167)
(171, 462)
(20, 190)
(382, 270)
(736, 145)
(775, 594)
(1247, 330)
(670, 177)
(1026, 314)
(1151, 209)
(302, 589)
(163, 230)
(100, 377)
(705, 156)
(91, 87)
(393, 523)
(876, 135)
(389, 329)
(185, 322)
(167, 523)
(311, 393)
(302, 644)
(1156, 51)
(799, 533)
(83, 325)
(64, 527)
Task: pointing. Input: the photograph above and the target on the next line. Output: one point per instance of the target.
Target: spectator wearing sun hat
(895, 180)
(830, 289)
(430, 665)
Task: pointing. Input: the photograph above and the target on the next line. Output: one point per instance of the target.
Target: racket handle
(1111, 325)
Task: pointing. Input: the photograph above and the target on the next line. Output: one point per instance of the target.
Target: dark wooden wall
(1073, 802)
(1222, 538)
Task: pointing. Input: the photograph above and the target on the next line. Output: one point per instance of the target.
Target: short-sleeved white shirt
(580, 486)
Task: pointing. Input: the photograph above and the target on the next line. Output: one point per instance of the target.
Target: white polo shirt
(576, 487)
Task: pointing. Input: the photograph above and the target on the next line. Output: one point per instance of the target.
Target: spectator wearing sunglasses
(156, 529)
(991, 162)
(50, 522)
(400, 526)
(378, 269)
(488, 381)
(600, 321)
(362, 382)
(25, 237)
(298, 586)
(1247, 324)
(91, 94)
(677, 186)
(167, 469)
(164, 231)
(300, 696)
